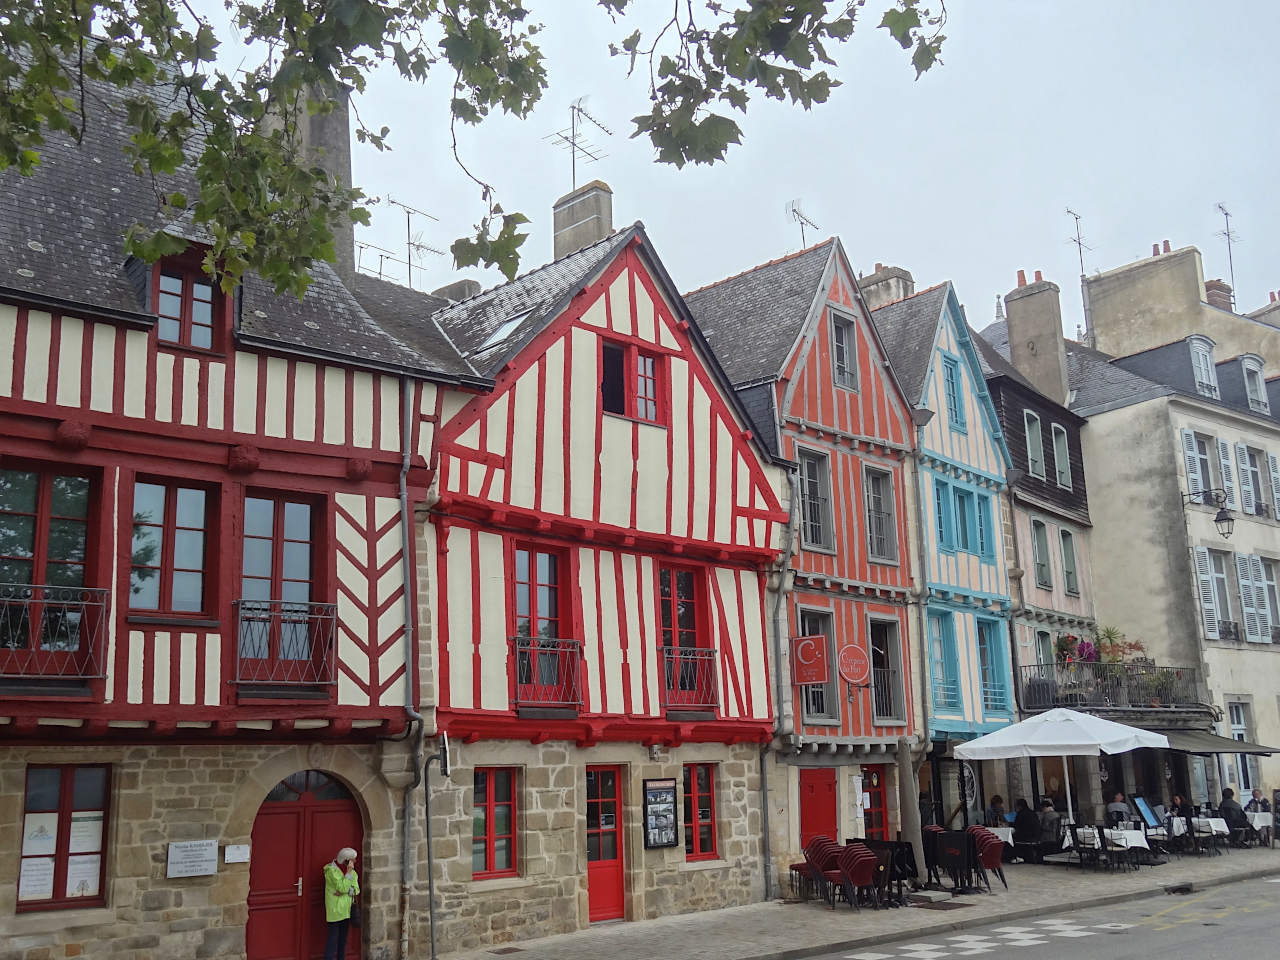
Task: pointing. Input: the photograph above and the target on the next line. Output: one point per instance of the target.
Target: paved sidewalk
(786, 931)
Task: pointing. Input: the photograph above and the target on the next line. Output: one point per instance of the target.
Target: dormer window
(188, 304)
(1254, 386)
(1202, 366)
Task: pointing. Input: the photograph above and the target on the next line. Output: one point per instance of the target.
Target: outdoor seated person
(1026, 831)
(1050, 824)
(1259, 803)
(1118, 809)
(1178, 807)
(995, 812)
(1231, 811)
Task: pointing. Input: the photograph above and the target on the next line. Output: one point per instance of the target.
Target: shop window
(699, 811)
(170, 544)
(493, 823)
(64, 824)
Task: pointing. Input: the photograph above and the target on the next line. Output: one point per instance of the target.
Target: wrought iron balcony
(946, 693)
(548, 672)
(689, 679)
(285, 644)
(886, 692)
(51, 632)
(995, 697)
(1107, 685)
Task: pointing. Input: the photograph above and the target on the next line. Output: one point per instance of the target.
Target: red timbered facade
(599, 546)
(796, 337)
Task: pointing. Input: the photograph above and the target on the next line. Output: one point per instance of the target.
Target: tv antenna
(576, 142)
(799, 216)
(1081, 247)
(413, 243)
(1230, 236)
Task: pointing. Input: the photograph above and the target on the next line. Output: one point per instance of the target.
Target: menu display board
(660, 824)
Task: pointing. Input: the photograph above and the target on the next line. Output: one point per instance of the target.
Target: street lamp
(1225, 523)
(1224, 520)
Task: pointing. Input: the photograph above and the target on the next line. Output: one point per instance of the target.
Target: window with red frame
(681, 620)
(629, 382)
(169, 548)
(493, 823)
(699, 811)
(187, 304)
(547, 657)
(278, 621)
(64, 823)
(44, 532)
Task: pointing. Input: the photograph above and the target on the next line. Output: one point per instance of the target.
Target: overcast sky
(1140, 116)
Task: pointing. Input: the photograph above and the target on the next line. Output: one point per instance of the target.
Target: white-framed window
(816, 525)
(844, 357)
(1071, 582)
(1215, 594)
(882, 531)
(1219, 563)
(1270, 573)
(1255, 606)
(1202, 365)
(1197, 460)
(1040, 549)
(1238, 715)
(820, 701)
(1255, 387)
(1061, 456)
(1045, 654)
(1035, 444)
(1255, 480)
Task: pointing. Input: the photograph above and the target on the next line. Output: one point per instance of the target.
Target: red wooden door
(817, 805)
(875, 822)
(301, 825)
(605, 880)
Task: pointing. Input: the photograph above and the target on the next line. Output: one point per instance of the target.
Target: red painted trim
(728, 666)
(490, 726)
(624, 641)
(477, 664)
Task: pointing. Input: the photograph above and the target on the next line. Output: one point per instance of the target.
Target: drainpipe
(411, 644)
(920, 416)
(782, 725)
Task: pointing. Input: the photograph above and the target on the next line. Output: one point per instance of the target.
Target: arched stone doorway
(301, 824)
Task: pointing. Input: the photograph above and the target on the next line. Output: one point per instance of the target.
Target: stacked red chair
(990, 850)
(856, 872)
(807, 875)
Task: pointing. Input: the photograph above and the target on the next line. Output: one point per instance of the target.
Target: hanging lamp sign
(854, 665)
(809, 660)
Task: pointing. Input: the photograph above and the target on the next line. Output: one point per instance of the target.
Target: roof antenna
(575, 141)
(412, 243)
(999, 308)
(1081, 247)
(795, 213)
(1230, 236)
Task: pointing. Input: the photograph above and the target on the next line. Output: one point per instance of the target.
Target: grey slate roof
(995, 365)
(752, 319)
(535, 297)
(61, 242)
(908, 328)
(1097, 383)
(407, 315)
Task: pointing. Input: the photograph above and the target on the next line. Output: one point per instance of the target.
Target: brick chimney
(581, 218)
(327, 138)
(886, 285)
(1036, 347)
(1217, 293)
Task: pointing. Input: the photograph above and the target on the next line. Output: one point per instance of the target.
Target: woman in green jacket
(341, 887)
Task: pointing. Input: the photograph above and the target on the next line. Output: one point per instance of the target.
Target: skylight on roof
(502, 331)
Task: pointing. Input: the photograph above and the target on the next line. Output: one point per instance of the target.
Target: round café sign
(854, 665)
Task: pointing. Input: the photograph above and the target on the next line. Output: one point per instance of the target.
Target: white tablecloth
(1127, 839)
(1259, 821)
(1202, 825)
(1004, 833)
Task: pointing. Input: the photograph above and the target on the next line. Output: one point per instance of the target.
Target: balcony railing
(50, 632)
(281, 643)
(886, 694)
(1107, 685)
(548, 672)
(994, 697)
(689, 679)
(946, 692)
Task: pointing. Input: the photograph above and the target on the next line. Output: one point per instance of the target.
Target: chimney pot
(886, 285)
(879, 267)
(1039, 276)
(582, 217)
(1273, 296)
(1022, 278)
(1166, 246)
(1155, 249)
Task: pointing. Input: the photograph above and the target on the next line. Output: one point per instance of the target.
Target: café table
(1004, 833)
(1262, 823)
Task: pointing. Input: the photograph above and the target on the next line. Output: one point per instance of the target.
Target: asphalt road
(1234, 921)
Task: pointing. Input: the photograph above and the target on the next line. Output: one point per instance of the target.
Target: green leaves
(907, 24)
(501, 251)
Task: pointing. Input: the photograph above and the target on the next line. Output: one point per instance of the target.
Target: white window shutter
(1195, 482)
(1247, 493)
(1208, 606)
(1273, 468)
(1228, 475)
(1266, 616)
(1248, 608)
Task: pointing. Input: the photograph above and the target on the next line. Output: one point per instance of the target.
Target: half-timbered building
(599, 543)
(962, 460)
(207, 651)
(795, 337)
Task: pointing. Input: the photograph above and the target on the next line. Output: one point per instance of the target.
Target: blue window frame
(942, 515)
(995, 694)
(944, 660)
(951, 388)
(986, 535)
(966, 520)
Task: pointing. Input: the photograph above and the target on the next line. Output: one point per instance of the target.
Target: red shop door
(817, 805)
(604, 843)
(304, 821)
(875, 823)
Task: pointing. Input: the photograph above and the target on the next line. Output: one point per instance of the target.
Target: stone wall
(163, 794)
(550, 894)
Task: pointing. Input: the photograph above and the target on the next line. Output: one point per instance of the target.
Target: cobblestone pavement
(782, 931)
